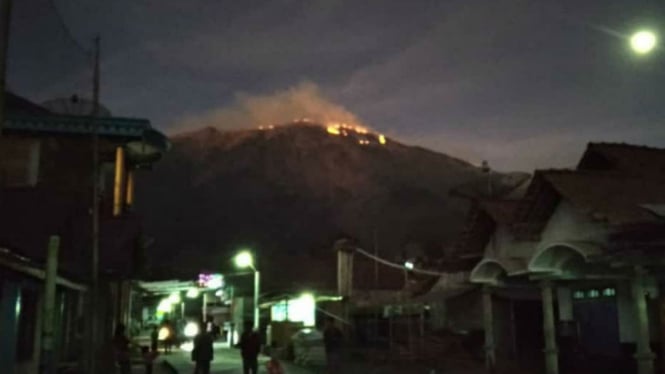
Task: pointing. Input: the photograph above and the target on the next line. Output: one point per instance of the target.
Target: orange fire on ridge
(342, 129)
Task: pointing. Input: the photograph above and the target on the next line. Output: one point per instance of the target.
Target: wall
(568, 224)
(19, 161)
(465, 312)
(503, 245)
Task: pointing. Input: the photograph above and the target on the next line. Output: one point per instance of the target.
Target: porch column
(488, 322)
(119, 180)
(549, 331)
(643, 355)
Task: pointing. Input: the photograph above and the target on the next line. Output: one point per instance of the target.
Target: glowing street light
(243, 260)
(191, 329)
(164, 306)
(192, 293)
(643, 42)
(174, 298)
(409, 265)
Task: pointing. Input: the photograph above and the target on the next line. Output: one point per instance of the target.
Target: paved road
(227, 361)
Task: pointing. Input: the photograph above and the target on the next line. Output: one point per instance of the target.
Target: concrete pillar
(488, 323)
(643, 355)
(47, 365)
(549, 330)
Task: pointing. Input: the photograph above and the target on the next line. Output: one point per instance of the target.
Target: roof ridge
(624, 145)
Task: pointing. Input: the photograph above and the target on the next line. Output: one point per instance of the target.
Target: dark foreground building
(46, 169)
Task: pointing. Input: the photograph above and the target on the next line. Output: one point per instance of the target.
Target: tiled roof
(616, 198)
(17, 105)
(501, 211)
(624, 158)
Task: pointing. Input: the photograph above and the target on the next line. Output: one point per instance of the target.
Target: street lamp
(643, 42)
(244, 259)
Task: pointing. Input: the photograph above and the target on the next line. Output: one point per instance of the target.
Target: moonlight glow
(643, 42)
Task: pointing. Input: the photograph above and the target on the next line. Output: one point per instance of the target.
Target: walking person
(250, 346)
(121, 349)
(167, 334)
(148, 358)
(202, 353)
(332, 339)
(154, 338)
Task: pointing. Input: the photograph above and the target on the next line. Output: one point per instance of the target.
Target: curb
(169, 367)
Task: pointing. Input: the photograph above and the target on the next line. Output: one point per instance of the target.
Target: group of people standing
(202, 353)
(250, 347)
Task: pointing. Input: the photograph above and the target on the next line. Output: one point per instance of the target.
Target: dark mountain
(289, 191)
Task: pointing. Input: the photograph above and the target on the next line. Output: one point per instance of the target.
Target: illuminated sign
(211, 281)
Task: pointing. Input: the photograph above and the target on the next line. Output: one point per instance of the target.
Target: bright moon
(643, 42)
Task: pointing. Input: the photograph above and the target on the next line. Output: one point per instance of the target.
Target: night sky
(523, 84)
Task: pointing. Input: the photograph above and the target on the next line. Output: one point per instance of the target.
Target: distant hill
(289, 191)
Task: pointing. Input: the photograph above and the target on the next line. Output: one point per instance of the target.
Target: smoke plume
(304, 100)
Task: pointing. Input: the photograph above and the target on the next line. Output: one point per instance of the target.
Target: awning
(23, 265)
(144, 143)
(553, 257)
(490, 270)
(167, 286)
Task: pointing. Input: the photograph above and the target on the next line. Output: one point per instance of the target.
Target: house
(589, 242)
(46, 168)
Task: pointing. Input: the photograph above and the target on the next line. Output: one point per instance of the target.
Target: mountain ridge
(291, 190)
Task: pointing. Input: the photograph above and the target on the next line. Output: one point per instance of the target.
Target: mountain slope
(289, 191)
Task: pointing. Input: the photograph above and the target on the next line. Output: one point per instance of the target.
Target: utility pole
(47, 365)
(377, 313)
(94, 291)
(5, 18)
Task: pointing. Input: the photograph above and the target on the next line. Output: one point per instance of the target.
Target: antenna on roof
(74, 106)
(485, 167)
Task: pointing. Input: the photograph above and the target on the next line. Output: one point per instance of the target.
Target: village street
(227, 361)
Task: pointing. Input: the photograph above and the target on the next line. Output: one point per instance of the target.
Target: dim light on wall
(301, 309)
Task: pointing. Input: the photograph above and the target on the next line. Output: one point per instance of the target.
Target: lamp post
(244, 259)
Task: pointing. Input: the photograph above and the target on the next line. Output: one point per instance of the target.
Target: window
(609, 292)
(594, 293)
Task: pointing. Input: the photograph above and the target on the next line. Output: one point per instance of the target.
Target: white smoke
(303, 101)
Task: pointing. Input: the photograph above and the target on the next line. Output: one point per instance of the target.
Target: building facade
(46, 185)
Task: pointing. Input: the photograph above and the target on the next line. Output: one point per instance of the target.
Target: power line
(67, 30)
(398, 266)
